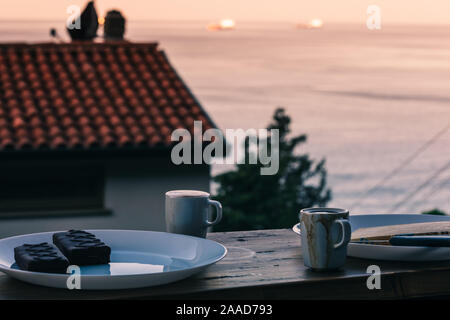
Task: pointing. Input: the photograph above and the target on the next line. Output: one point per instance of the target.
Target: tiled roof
(91, 95)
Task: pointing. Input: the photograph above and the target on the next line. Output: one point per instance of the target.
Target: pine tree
(254, 201)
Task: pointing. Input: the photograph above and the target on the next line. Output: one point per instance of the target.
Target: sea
(374, 103)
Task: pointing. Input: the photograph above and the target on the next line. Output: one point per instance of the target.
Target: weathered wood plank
(268, 264)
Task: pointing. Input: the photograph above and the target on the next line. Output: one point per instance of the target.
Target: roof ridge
(77, 44)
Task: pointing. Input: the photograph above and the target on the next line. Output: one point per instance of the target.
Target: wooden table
(268, 265)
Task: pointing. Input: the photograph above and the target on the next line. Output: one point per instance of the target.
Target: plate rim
(6, 269)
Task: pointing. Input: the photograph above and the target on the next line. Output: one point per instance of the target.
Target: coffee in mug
(187, 212)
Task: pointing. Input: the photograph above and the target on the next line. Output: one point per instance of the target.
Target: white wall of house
(134, 192)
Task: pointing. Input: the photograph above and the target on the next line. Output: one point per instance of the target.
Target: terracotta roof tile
(85, 95)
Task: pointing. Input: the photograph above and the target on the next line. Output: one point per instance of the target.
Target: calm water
(367, 100)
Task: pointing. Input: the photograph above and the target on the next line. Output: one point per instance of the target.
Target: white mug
(187, 212)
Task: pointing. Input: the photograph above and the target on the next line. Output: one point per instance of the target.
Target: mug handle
(218, 207)
(346, 232)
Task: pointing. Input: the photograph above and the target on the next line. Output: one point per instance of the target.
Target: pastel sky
(393, 11)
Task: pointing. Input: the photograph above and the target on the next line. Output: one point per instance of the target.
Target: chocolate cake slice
(82, 248)
(41, 257)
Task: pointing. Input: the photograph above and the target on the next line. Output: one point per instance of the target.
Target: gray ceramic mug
(325, 234)
(187, 212)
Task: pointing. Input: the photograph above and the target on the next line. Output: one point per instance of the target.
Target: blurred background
(375, 104)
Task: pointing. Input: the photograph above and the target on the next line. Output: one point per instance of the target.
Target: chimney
(114, 27)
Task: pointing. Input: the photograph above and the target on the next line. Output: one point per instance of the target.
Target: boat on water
(223, 25)
(313, 24)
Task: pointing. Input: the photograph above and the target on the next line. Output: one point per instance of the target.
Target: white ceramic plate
(394, 253)
(138, 259)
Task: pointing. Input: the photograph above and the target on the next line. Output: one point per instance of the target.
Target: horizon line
(417, 24)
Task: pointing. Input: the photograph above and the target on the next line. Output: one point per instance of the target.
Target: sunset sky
(393, 11)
